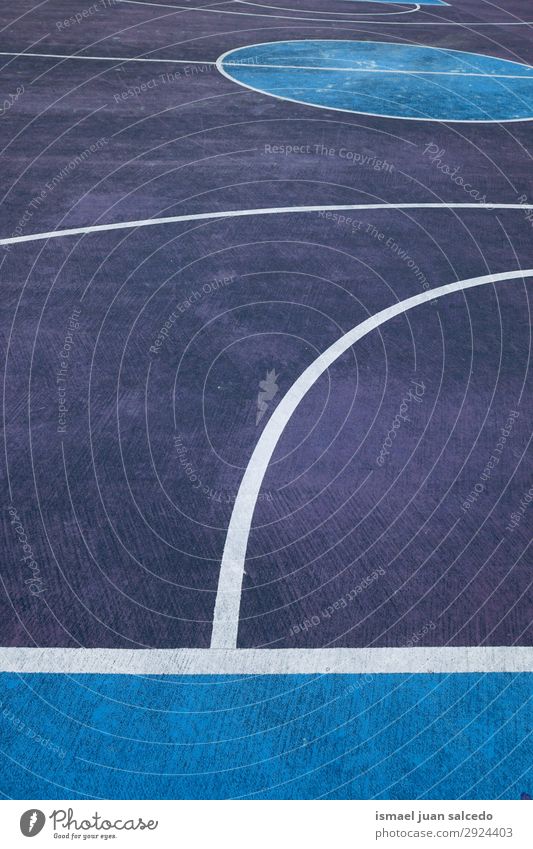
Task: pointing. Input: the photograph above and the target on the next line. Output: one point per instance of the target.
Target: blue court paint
(291, 736)
(391, 80)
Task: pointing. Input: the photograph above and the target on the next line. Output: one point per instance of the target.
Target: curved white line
(228, 600)
(243, 213)
(330, 20)
(317, 12)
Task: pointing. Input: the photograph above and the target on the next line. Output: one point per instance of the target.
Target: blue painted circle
(391, 80)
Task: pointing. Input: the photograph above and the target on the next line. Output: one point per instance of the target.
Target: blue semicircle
(384, 79)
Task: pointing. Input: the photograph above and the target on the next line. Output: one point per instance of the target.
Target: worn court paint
(227, 606)
(367, 661)
(389, 736)
(391, 80)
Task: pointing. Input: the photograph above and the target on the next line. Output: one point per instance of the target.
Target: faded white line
(228, 601)
(242, 213)
(416, 660)
(332, 20)
(389, 14)
(244, 64)
(109, 58)
(249, 65)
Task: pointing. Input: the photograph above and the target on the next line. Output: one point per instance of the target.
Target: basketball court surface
(267, 271)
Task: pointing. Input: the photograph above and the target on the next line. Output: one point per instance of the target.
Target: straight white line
(243, 213)
(252, 65)
(244, 64)
(228, 601)
(416, 660)
(109, 58)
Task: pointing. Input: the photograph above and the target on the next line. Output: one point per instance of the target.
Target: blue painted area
(292, 736)
(394, 80)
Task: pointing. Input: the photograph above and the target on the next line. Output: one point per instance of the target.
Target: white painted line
(332, 20)
(359, 661)
(390, 14)
(245, 64)
(108, 58)
(243, 213)
(228, 601)
(383, 71)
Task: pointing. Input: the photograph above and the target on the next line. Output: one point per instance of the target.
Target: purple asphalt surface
(126, 506)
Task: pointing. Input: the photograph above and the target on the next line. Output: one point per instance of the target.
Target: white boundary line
(358, 661)
(228, 600)
(109, 58)
(417, 73)
(333, 20)
(364, 19)
(236, 64)
(243, 213)
(414, 7)
(442, 120)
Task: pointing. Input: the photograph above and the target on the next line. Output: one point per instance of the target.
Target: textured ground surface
(143, 364)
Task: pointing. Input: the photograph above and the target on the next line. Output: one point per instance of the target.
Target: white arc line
(242, 213)
(355, 661)
(333, 20)
(228, 600)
